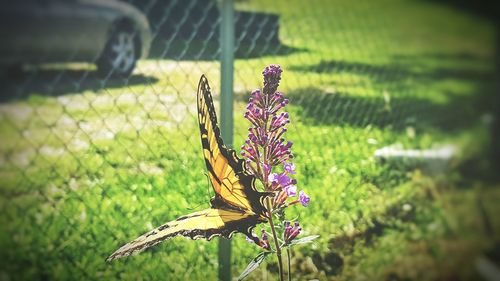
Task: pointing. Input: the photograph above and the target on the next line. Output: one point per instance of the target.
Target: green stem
(269, 200)
(289, 264)
(276, 243)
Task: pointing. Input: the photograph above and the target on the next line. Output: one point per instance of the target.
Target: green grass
(86, 164)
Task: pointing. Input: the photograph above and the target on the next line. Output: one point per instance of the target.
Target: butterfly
(237, 205)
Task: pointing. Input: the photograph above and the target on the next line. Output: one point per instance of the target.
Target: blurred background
(394, 109)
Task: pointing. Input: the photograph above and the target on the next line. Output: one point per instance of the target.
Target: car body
(41, 31)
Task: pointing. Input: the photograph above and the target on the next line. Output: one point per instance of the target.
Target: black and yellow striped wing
(232, 183)
(203, 224)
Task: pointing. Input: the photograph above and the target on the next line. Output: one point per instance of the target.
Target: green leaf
(304, 240)
(253, 264)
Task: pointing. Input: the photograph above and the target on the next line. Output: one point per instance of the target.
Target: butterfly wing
(203, 224)
(237, 206)
(232, 183)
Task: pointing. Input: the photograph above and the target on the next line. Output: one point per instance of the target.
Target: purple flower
(291, 231)
(291, 190)
(256, 112)
(303, 198)
(256, 95)
(273, 178)
(283, 180)
(289, 168)
(272, 77)
(251, 240)
(279, 199)
(276, 102)
(278, 152)
(267, 167)
(280, 121)
(264, 242)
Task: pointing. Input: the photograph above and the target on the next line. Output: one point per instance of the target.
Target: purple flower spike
(303, 198)
(272, 77)
(289, 168)
(266, 146)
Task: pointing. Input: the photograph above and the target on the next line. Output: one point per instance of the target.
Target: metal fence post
(226, 108)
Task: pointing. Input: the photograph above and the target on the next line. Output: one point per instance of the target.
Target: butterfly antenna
(208, 187)
(296, 218)
(208, 195)
(194, 208)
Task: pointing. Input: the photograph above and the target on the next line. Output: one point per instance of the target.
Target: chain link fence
(391, 105)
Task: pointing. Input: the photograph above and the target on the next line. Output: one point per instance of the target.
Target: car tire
(120, 54)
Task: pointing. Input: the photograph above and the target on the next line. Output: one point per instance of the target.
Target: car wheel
(120, 54)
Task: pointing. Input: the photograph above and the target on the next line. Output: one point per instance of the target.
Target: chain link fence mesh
(390, 101)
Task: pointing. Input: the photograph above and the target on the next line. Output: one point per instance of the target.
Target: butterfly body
(237, 205)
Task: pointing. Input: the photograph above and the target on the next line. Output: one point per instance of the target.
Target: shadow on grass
(19, 84)
(210, 50)
(323, 108)
(405, 67)
(401, 109)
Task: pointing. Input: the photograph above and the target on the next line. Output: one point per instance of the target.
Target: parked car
(109, 33)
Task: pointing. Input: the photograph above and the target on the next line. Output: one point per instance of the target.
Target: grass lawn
(89, 164)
